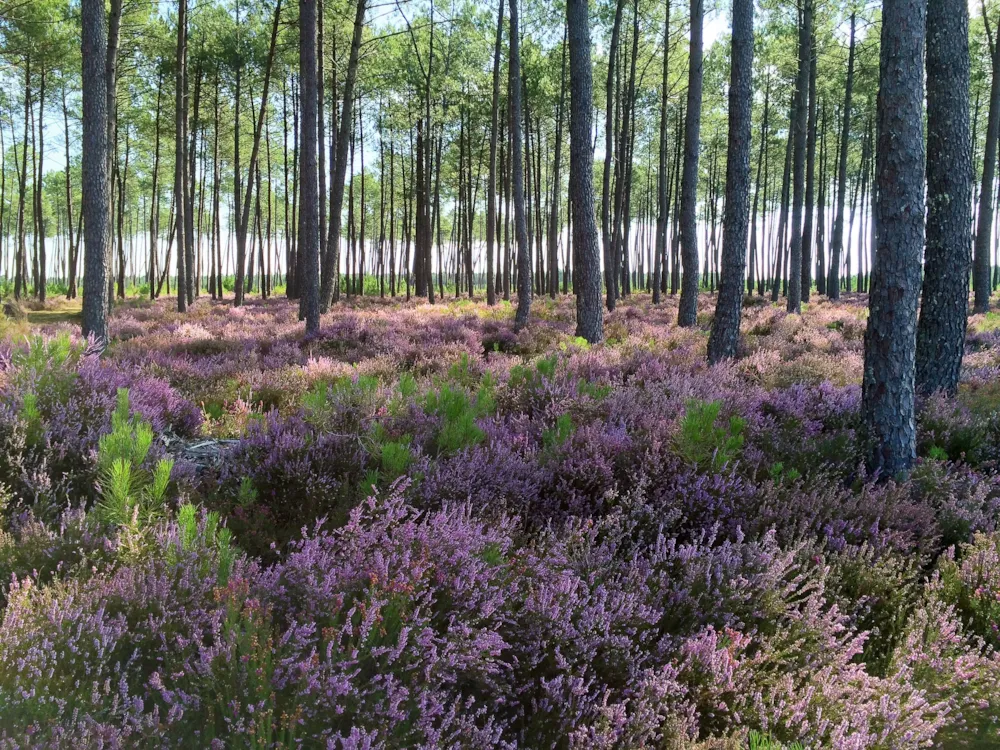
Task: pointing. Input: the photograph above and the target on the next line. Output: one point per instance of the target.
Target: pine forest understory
(472, 374)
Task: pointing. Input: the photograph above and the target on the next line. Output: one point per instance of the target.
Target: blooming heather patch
(418, 528)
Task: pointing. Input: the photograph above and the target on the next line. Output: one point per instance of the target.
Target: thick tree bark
(890, 339)
(96, 185)
(688, 312)
(837, 240)
(309, 180)
(945, 296)
(587, 255)
(799, 159)
(725, 334)
(520, 225)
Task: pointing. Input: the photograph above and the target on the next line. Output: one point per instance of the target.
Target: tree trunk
(662, 176)
(517, 167)
(890, 342)
(726, 326)
(331, 263)
(180, 116)
(609, 90)
(96, 185)
(945, 296)
(837, 240)
(491, 189)
(688, 312)
(984, 225)
(587, 256)
(799, 159)
(807, 224)
(309, 180)
(556, 187)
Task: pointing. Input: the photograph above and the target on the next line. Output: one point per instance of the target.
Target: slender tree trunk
(246, 197)
(888, 384)
(96, 185)
(725, 333)
(587, 263)
(556, 187)
(807, 225)
(799, 125)
(331, 263)
(309, 180)
(606, 240)
(984, 225)
(945, 296)
(837, 240)
(491, 189)
(662, 176)
(688, 312)
(517, 167)
(180, 117)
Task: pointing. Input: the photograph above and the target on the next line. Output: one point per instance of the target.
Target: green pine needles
(130, 493)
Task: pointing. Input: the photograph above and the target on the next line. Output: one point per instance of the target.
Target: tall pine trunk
(688, 312)
(587, 256)
(887, 401)
(309, 179)
(726, 326)
(945, 296)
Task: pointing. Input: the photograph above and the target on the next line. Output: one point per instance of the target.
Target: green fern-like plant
(758, 741)
(701, 440)
(211, 535)
(130, 494)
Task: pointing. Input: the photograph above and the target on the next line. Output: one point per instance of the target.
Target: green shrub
(458, 413)
(129, 493)
(702, 441)
(559, 433)
(758, 741)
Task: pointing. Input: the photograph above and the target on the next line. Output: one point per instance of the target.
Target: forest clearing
(571, 374)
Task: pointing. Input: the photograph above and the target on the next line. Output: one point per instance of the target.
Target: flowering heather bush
(420, 529)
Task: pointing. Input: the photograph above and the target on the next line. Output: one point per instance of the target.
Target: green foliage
(577, 342)
(209, 535)
(458, 413)
(46, 366)
(702, 441)
(937, 453)
(758, 741)
(879, 589)
(559, 433)
(528, 378)
(395, 457)
(779, 474)
(352, 397)
(970, 582)
(595, 391)
(129, 493)
(246, 496)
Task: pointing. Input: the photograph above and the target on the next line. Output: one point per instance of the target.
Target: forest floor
(420, 528)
